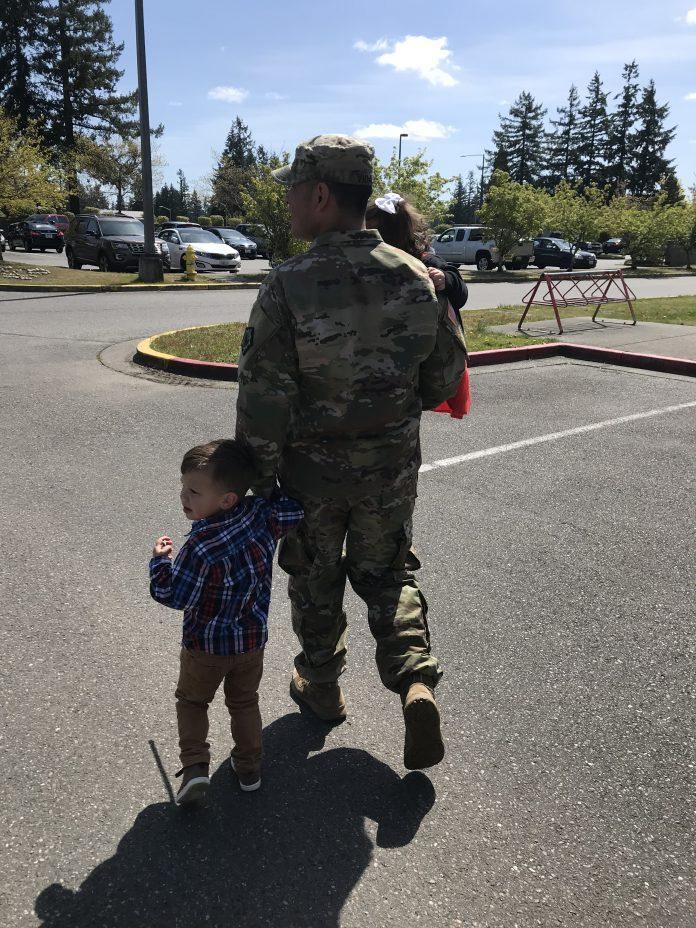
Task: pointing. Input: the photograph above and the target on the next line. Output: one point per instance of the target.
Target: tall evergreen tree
(563, 141)
(620, 147)
(183, 191)
(232, 175)
(593, 129)
(80, 75)
(21, 34)
(518, 141)
(651, 141)
(458, 202)
(195, 207)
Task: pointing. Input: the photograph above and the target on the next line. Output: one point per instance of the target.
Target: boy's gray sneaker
(248, 782)
(194, 784)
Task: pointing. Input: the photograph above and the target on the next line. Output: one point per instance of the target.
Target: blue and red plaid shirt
(221, 577)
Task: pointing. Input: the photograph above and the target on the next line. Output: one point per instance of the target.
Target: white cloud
(691, 17)
(228, 94)
(272, 95)
(175, 103)
(381, 45)
(419, 130)
(690, 96)
(424, 56)
(427, 57)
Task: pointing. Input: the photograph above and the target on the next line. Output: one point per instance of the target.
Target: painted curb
(217, 370)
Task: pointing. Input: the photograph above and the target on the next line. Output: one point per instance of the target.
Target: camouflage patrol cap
(338, 158)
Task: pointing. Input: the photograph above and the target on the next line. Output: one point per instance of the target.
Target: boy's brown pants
(199, 677)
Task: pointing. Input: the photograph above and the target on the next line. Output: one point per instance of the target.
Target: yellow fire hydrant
(190, 262)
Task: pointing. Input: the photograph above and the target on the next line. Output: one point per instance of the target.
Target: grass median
(36, 277)
(222, 342)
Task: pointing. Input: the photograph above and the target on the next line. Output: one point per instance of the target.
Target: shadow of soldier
(287, 855)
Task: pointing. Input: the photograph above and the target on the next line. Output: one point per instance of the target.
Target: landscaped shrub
(205, 221)
(160, 219)
(182, 218)
(216, 219)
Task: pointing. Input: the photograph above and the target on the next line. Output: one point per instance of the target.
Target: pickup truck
(473, 245)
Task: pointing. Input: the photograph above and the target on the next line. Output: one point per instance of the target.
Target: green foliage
(114, 162)
(92, 210)
(26, 176)
(413, 179)
(160, 219)
(264, 202)
(519, 140)
(204, 221)
(512, 212)
(217, 220)
(646, 226)
(182, 218)
(683, 226)
(576, 215)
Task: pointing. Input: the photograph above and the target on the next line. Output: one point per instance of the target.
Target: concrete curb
(216, 370)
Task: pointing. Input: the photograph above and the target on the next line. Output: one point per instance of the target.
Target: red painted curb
(217, 370)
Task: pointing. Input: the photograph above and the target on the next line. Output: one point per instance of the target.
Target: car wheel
(104, 264)
(28, 246)
(59, 250)
(483, 262)
(541, 265)
(13, 247)
(43, 249)
(72, 262)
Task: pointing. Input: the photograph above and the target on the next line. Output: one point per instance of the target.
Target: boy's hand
(163, 545)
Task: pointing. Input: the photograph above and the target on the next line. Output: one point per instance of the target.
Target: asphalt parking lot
(560, 580)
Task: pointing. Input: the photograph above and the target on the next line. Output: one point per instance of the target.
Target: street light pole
(150, 264)
(404, 135)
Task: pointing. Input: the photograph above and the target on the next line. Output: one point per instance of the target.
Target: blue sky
(442, 72)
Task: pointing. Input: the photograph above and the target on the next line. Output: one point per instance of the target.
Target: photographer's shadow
(289, 854)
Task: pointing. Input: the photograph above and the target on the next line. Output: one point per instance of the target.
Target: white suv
(211, 253)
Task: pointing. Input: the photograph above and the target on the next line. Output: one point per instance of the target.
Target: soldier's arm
(441, 372)
(268, 382)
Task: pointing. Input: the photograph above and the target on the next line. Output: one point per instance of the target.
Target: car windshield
(119, 227)
(233, 234)
(198, 235)
(564, 246)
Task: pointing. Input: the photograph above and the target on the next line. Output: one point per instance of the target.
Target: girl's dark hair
(229, 462)
(405, 229)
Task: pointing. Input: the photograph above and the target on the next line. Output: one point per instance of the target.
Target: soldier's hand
(438, 277)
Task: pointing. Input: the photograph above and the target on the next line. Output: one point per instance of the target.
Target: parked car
(175, 224)
(597, 248)
(61, 222)
(235, 239)
(112, 243)
(258, 234)
(474, 245)
(211, 253)
(556, 252)
(30, 235)
(614, 246)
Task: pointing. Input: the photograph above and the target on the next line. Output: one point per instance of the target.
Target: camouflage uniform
(346, 345)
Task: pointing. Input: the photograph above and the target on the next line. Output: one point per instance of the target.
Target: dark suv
(113, 243)
(30, 235)
(556, 252)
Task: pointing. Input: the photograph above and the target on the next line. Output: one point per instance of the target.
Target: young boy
(221, 578)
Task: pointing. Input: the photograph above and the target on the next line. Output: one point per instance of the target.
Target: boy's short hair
(229, 462)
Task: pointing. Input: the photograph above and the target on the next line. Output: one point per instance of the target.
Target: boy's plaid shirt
(221, 577)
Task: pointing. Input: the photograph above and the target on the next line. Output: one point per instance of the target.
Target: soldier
(346, 345)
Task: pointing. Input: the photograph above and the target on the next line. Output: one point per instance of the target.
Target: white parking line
(552, 436)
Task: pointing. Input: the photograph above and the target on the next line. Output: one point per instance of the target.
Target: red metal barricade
(582, 289)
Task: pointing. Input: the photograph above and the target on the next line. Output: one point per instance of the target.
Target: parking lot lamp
(150, 264)
(403, 135)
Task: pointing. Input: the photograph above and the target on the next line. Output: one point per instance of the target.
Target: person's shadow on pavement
(287, 855)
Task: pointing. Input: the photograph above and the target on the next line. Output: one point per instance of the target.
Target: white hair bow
(389, 202)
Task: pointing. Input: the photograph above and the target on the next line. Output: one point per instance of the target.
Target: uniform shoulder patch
(248, 339)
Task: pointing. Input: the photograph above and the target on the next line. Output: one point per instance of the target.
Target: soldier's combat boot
(324, 699)
(423, 745)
